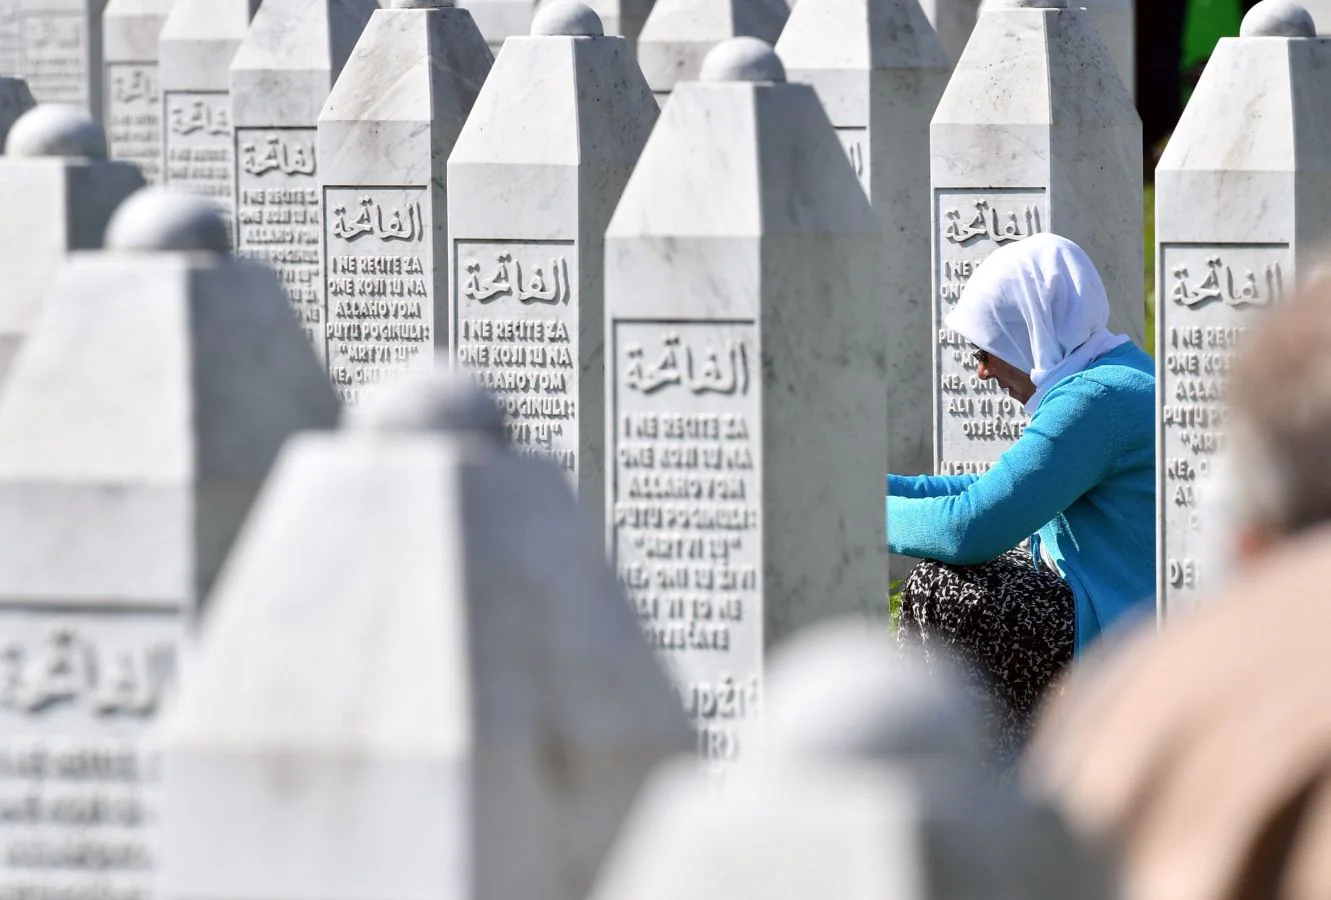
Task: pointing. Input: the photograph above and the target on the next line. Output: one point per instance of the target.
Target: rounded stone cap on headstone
(1278, 18)
(842, 690)
(55, 130)
(165, 221)
(743, 59)
(439, 400)
(422, 4)
(567, 17)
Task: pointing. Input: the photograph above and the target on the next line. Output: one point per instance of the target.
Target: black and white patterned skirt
(1008, 626)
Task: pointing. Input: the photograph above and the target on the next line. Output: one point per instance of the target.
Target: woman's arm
(918, 486)
(1064, 452)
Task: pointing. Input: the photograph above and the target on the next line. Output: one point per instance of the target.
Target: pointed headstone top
(743, 59)
(567, 17)
(161, 220)
(438, 401)
(56, 130)
(1278, 18)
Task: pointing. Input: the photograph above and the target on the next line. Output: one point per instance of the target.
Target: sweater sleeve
(917, 486)
(1065, 451)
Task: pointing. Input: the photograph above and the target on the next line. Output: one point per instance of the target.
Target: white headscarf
(1039, 305)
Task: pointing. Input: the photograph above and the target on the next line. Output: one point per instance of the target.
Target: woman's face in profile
(1011, 379)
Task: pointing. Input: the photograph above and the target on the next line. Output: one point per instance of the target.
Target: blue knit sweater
(1082, 474)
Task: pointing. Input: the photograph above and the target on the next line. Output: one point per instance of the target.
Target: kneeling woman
(1082, 476)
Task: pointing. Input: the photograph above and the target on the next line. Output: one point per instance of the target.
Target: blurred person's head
(1200, 755)
(1272, 481)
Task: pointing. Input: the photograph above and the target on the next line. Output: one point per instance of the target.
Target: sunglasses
(981, 357)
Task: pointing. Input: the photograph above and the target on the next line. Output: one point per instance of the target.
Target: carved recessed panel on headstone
(687, 510)
(1209, 296)
(380, 285)
(197, 143)
(134, 116)
(975, 421)
(278, 214)
(80, 691)
(517, 330)
(56, 47)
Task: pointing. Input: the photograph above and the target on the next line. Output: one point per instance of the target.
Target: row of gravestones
(410, 197)
(717, 402)
(414, 675)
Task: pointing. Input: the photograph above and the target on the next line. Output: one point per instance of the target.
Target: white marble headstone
(532, 183)
(385, 135)
(745, 363)
(136, 427)
(133, 102)
(1035, 133)
(280, 78)
(198, 41)
(879, 70)
(1234, 224)
(57, 48)
(59, 191)
(1115, 21)
(444, 696)
(679, 34)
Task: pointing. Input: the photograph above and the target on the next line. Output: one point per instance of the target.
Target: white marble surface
(1234, 230)
(746, 355)
(845, 828)
(280, 78)
(57, 204)
(133, 109)
(138, 422)
(56, 46)
(879, 70)
(444, 696)
(385, 135)
(679, 34)
(198, 41)
(1036, 132)
(532, 183)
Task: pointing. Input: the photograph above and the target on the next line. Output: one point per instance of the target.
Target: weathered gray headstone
(133, 103)
(1036, 133)
(446, 696)
(136, 427)
(385, 206)
(879, 70)
(532, 183)
(745, 363)
(280, 78)
(59, 50)
(1233, 226)
(198, 41)
(60, 191)
(679, 34)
